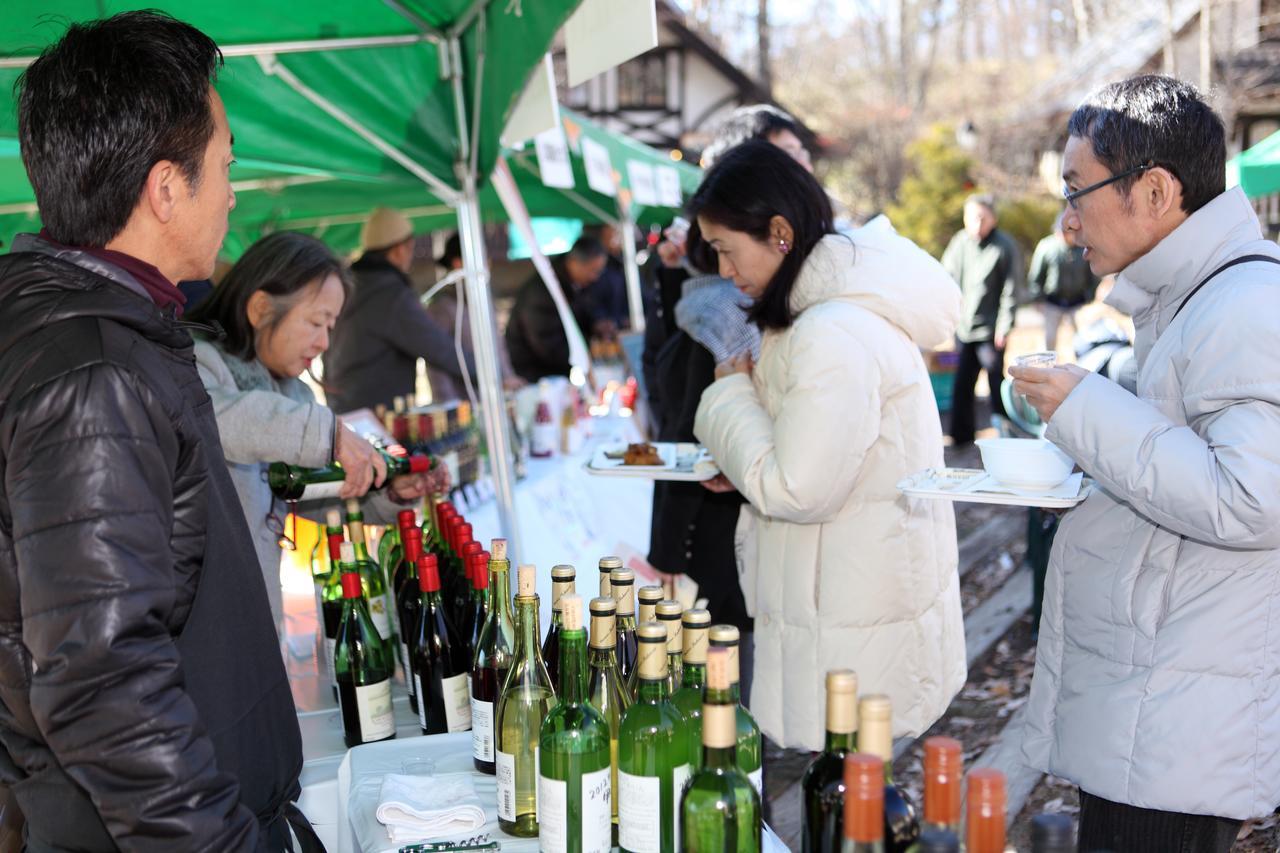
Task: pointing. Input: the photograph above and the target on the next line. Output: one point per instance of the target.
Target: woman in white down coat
(844, 570)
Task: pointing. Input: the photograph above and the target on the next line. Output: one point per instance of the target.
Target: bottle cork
(669, 613)
(571, 611)
(842, 701)
(526, 581)
(875, 726)
(603, 623)
(943, 769)
(652, 651)
(353, 506)
(719, 721)
(333, 518)
(498, 548)
(863, 797)
(347, 552)
(696, 624)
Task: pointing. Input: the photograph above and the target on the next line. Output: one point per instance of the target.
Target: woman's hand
(361, 462)
(719, 484)
(738, 364)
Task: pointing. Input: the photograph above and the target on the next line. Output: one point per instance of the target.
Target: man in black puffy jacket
(143, 701)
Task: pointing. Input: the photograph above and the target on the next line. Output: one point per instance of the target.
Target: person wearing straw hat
(384, 329)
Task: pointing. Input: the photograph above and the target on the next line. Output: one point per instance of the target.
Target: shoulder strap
(1243, 259)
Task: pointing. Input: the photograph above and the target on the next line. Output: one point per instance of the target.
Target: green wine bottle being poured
(527, 697)
(292, 483)
(363, 665)
(607, 690)
(822, 786)
(653, 754)
(720, 809)
(693, 678)
(750, 752)
(574, 788)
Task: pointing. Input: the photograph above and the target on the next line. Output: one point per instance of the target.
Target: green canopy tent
(1257, 170)
(375, 88)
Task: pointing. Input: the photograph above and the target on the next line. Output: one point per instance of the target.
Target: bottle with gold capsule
(607, 565)
(694, 626)
(647, 598)
(750, 750)
(823, 781)
(875, 736)
(669, 613)
(562, 584)
(622, 588)
(607, 690)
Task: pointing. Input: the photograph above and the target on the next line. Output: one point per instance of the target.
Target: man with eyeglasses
(1157, 682)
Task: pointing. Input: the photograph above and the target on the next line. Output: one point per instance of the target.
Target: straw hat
(385, 228)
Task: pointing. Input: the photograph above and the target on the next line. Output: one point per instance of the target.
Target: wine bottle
(293, 483)
(863, 804)
(607, 565)
(409, 608)
(371, 578)
(720, 808)
(1053, 833)
(363, 665)
(493, 658)
(941, 841)
(823, 781)
(622, 588)
(391, 545)
(647, 598)
(669, 613)
(693, 678)
(479, 602)
(984, 811)
(875, 736)
(527, 697)
(607, 689)
(750, 750)
(562, 584)
(331, 595)
(653, 754)
(943, 772)
(461, 602)
(574, 787)
(440, 664)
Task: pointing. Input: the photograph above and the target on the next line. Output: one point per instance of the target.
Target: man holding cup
(1157, 684)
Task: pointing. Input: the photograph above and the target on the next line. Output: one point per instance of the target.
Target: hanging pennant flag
(553, 158)
(603, 33)
(668, 179)
(595, 158)
(640, 176)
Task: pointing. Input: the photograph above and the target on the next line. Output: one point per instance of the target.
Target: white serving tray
(970, 485)
(688, 463)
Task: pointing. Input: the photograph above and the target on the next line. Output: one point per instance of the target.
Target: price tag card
(643, 186)
(553, 158)
(595, 158)
(669, 194)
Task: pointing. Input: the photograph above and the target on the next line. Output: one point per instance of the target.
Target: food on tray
(641, 454)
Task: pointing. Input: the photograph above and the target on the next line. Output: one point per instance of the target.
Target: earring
(784, 247)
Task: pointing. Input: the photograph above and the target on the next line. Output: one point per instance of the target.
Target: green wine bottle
(331, 595)
(720, 809)
(669, 613)
(371, 577)
(750, 752)
(527, 697)
(823, 783)
(653, 754)
(574, 790)
(292, 483)
(439, 661)
(607, 565)
(622, 588)
(363, 665)
(562, 584)
(391, 545)
(693, 678)
(608, 691)
(863, 804)
(647, 598)
(492, 660)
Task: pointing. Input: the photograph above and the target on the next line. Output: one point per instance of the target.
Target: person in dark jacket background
(143, 701)
(1060, 279)
(384, 329)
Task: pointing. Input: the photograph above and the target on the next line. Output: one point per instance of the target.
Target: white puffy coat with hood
(845, 570)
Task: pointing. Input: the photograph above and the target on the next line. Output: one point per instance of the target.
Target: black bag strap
(1243, 259)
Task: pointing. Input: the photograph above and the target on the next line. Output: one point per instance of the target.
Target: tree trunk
(762, 32)
(1080, 9)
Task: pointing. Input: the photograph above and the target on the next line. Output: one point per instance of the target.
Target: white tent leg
(635, 299)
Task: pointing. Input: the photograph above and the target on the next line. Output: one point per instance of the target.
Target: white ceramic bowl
(1025, 463)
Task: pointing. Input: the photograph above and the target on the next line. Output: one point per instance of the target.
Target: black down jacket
(143, 701)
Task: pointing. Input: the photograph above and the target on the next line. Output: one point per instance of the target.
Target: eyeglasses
(1071, 197)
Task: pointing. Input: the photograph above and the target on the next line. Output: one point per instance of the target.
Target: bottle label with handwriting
(457, 703)
(373, 701)
(639, 813)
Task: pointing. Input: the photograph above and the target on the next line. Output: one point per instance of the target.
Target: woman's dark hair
(282, 265)
(102, 106)
(748, 186)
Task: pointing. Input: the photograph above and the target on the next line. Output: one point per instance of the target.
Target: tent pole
(635, 299)
(484, 345)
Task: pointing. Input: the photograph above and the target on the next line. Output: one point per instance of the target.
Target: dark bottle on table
(363, 665)
(823, 781)
(562, 584)
(1053, 833)
(875, 736)
(479, 607)
(622, 588)
(331, 594)
(461, 602)
(493, 659)
(408, 608)
(393, 557)
(941, 841)
(943, 776)
(440, 664)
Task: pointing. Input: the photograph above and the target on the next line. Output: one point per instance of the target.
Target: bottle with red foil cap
(363, 664)
(294, 483)
(464, 584)
(478, 608)
(391, 545)
(863, 804)
(984, 811)
(331, 595)
(454, 584)
(943, 771)
(440, 664)
(408, 604)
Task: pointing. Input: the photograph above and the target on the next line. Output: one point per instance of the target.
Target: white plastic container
(1025, 463)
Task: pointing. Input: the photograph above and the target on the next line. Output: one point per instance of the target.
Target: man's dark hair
(587, 249)
(282, 265)
(759, 121)
(102, 106)
(752, 183)
(1160, 120)
(452, 251)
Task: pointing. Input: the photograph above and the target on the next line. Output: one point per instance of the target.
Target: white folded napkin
(420, 808)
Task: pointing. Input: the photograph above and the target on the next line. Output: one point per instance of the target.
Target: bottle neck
(719, 729)
(500, 589)
(693, 676)
(651, 691)
(573, 670)
(527, 625)
(356, 526)
(876, 738)
(603, 658)
(840, 743)
(432, 598)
